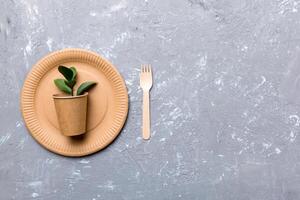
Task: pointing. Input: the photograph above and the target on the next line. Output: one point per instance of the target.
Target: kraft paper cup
(71, 112)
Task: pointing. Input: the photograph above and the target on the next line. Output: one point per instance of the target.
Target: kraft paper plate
(107, 102)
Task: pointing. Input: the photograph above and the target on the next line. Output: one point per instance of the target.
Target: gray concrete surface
(225, 102)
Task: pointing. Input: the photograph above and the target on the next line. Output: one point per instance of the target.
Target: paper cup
(71, 112)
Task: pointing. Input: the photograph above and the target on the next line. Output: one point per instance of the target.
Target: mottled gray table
(225, 101)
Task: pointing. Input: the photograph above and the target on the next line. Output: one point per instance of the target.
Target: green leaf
(72, 82)
(74, 72)
(66, 72)
(85, 87)
(62, 85)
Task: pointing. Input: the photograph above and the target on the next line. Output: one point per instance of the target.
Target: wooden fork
(146, 84)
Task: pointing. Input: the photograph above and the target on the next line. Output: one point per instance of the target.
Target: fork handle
(146, 116)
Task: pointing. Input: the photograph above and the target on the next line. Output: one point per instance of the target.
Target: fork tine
(146, 68)
(142, 68)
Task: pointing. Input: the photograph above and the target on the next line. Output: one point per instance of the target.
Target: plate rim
(31, 126)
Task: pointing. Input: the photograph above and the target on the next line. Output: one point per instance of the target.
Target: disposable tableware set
(74, 102)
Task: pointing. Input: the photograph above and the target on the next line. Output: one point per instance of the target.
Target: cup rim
(63, 96)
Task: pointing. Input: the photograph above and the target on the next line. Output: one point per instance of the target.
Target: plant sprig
(66, 85)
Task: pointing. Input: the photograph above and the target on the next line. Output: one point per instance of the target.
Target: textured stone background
(225, 102)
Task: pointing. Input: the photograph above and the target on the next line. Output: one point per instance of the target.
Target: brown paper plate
(107, 102)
